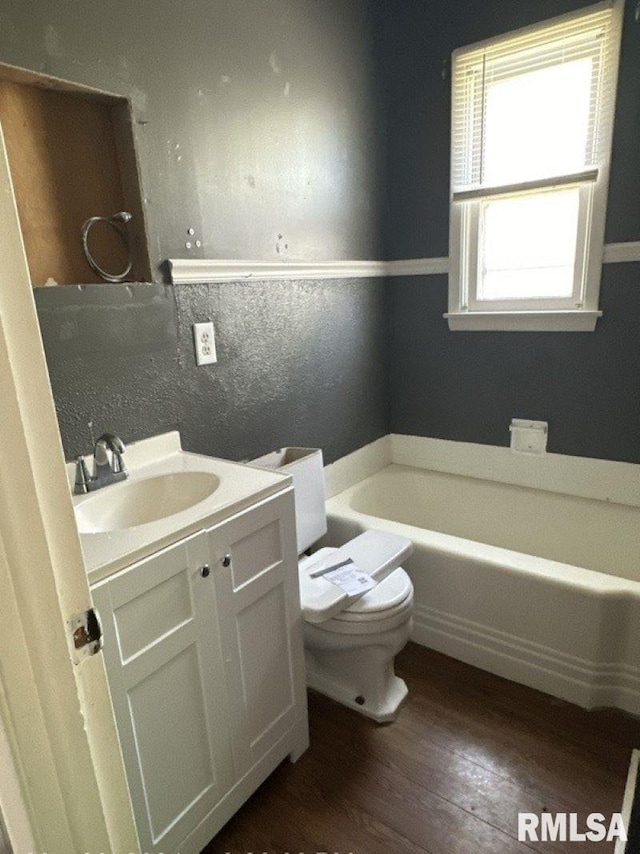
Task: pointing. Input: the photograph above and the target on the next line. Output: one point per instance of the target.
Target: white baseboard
(603, 480)
(357, 466)
(588, 684)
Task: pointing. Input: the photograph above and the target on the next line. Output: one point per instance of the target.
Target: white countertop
(240, 486)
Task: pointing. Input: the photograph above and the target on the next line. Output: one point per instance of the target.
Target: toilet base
(384, 713)
(360, 677)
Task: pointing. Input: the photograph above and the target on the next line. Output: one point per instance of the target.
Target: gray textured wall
(300, 363)
(255, 124)
(265, 170)
(255, 119)
(468, 385)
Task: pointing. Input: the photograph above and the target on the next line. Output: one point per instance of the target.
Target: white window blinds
(533, 108)
(532, 124)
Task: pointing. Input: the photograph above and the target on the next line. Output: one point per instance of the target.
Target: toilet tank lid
(375, 552)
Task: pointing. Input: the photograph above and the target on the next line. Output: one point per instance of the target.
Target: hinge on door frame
(86, 634)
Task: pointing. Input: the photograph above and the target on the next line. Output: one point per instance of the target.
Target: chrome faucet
(105, 470)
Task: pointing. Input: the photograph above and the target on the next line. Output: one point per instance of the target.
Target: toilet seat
(387, 596)
(378, 553)
(384, 612)
(381, 627)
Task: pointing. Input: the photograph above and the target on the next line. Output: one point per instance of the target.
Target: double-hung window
(532, 121)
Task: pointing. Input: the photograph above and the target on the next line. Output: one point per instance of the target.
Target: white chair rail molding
(196, 271)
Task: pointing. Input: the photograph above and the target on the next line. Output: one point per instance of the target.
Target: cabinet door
(256, 579)
(165, 670)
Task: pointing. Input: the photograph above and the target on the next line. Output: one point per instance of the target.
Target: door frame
(13, 813)
(57, 716)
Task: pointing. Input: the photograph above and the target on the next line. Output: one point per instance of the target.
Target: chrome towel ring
(117, 221)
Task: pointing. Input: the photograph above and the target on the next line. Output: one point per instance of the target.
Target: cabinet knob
(226, 560)
(204, 571)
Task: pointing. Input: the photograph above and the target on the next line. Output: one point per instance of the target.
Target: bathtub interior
(596, 535)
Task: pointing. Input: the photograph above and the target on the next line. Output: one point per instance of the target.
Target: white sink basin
(138, 502)
(170, 494)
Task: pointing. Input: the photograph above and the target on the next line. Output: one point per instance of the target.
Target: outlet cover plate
(205, 343)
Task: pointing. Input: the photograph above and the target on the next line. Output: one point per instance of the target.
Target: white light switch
(205, 343)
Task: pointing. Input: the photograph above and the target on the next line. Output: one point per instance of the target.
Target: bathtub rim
(555, 572)
(582, 477)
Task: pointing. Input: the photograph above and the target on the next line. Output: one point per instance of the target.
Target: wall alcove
(72, 156)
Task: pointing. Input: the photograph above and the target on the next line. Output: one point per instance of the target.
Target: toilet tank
(306, 468)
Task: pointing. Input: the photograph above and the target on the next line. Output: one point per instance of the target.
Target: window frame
(580, 311)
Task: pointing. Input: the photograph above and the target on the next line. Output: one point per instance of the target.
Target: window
(532, 121)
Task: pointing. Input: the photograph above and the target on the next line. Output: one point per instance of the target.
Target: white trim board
(195, 271)
(524, 321)
(190, 271)
(418, 267)
(357, 466)
(186, 271)
(13, 810)
(618, 253)
(583, 477)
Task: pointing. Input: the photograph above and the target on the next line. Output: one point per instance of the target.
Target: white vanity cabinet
(166, 677)
(203, 650)
(260, 624)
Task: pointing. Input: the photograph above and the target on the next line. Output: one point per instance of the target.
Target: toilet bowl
(349, 657)
(350, 639)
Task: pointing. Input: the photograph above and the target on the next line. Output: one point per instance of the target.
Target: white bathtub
(537, 586)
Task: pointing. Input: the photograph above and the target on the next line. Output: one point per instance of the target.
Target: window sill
(523, 321)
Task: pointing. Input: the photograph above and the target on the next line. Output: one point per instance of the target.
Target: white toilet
(350, 642)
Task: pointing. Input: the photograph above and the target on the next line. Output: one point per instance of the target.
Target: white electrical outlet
(205, 343)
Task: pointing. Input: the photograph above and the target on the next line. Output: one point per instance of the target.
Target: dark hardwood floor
(468, 752)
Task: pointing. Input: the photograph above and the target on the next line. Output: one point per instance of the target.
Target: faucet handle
(81, 486)
(113, 442)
